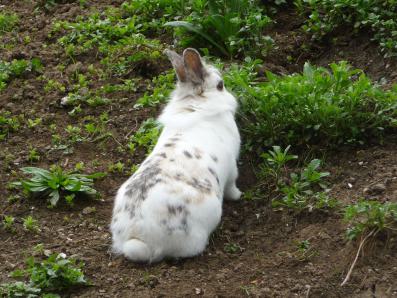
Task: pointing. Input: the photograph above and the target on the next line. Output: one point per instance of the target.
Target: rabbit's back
(172, 203)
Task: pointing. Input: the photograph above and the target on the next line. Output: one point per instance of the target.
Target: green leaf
(54, 197)
(190, 27)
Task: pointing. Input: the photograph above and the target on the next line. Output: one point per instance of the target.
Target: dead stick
(356, 258)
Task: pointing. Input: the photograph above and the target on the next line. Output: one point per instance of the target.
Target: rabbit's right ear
(178, 64)
(193, 65)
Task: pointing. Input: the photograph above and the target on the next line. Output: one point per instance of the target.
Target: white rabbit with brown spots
(170, 206)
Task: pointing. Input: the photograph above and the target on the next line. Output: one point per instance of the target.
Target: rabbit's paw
(232, 193)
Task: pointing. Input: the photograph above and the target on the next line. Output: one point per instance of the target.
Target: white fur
(176, 216)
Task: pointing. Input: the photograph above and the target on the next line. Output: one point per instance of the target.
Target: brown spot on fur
(188, 110)
(169, 145)
(197, 153)
(142, 181)
(178, 176)
(187, 154)
(163, 155)
(201, 186)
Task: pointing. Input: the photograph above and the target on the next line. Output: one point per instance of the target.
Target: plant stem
(356, 258)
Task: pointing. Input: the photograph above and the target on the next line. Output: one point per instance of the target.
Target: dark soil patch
(254, 251)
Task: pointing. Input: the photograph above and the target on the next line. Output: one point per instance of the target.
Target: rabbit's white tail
(137, 251)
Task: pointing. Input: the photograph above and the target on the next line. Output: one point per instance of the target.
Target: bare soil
(264, 261)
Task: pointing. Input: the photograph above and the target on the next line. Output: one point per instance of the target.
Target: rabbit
(172, 203)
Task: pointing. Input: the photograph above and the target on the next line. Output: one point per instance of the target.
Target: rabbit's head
(194, 76)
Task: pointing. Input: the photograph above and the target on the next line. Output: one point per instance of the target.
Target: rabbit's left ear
(193, 66)
(177, 63)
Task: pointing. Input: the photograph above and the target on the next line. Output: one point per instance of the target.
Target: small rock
(65, 100)
(47, 252)
(375, 189)
(10, 105)
(352, 180)
(74, 68)
(198, 291)
(89, 210)
(10, 265)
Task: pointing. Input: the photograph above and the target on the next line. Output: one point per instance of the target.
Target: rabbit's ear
(193, 65)
(177, 63)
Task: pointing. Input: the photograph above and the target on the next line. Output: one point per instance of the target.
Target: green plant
(74, 134)
(16, 68)
(79, 166)
(304, 250)
(300, 194)
(31, 224)
(117, 167)
(366, 216)
(8, 21)
(117, 39)
(33, 155)
(153, 14)
(8, 223)
(231, 27)
(159, 90)
(318, 106)
(19, 289)
(8, 124)
(232, 248)
(380, 17)
(366, 219)
(147, 135)
(56, 183)
(54, 274)
(275, 160)
(32, 123)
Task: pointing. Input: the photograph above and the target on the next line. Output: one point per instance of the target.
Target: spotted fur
(169, 207)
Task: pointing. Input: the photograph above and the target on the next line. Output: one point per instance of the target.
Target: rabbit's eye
(219, 86)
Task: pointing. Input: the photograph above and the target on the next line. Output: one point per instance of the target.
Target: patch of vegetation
(8, 223)
(230, 27)
(30, 224)
(305, 190)
(366, 219)
(17, 68)
(370, 216)
(54, 274)
(57, 183)
(117, 39)
(146, 136)
(158, 91)
(232, 248)
(8, 124)
(49, 4)
(379, 16)
(340, 106)
(8, 22)
(274, 162)
(151, 15)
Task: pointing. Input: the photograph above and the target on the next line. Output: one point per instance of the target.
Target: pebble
(89, 210)
(375, 189)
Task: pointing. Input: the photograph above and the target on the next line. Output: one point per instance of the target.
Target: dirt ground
(264, 261)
